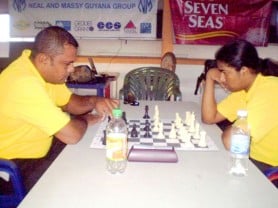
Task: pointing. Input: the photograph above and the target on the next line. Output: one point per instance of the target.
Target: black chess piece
(104, 138)
(147, 134)
(124, 117)
(147, 125)
(134, 132)
(146, 116)
(147, 129)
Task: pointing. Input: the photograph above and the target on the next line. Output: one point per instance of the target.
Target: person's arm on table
(80, 107)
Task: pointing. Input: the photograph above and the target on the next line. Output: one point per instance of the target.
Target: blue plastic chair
(272, 174)
(14, 198)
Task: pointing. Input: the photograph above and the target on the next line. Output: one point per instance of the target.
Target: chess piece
(160, 132)
(197, 131)
(147, 133)
(173, 132)
(134, 132)
(147, 129)
(156, 113)
(184, 135)
(147, 125)
(192, 123)
(155, 125)
(146, 116)
(187, 118)
(124, 117)
(104, 138)
(202, 142)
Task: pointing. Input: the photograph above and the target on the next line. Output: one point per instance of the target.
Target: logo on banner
(83, 26)
(145, 6)
(130, 27)
(145, 27)
(19, 5)
(109, 26)
(64, 24)
(41, 24)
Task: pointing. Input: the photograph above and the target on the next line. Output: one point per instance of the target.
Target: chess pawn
(202, 142)
(160, 132)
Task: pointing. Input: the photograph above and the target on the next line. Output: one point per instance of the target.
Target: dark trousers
(32, 169)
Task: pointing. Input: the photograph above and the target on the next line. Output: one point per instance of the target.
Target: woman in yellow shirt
(253, 85)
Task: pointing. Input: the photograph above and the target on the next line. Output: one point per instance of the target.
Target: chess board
(152, 140)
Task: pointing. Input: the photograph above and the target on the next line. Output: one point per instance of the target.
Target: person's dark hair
(51, 41)
(270, 68)
(241, 53)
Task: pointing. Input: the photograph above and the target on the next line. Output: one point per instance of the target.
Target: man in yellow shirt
(36, 105)
(245, 75)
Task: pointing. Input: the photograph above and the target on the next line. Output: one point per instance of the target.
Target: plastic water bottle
(116, 143)
(240, 145)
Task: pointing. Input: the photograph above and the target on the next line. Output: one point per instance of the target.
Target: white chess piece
(160, 131)
(173, 132)
(192, 124)
(156, 125)
(187, 118)
(197, 131)
(178, 121)
(184, 135)
(156, 113)
(202, 142)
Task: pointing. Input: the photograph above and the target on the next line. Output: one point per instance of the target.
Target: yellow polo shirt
(261, 102)
(30, 111)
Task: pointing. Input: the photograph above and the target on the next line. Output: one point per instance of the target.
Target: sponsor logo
(82, 25)
(145, 27)
(130, 27)
(64, 24)
(19, 5)
(41, 24)
(145, 6)
(21, 25)
(109, 26)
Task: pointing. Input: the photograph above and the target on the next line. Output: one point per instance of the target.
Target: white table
(78, 178)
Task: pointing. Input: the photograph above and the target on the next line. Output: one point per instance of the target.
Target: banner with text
(85, 18)
(214, 22)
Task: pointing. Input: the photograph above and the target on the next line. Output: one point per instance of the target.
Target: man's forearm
(79, 105)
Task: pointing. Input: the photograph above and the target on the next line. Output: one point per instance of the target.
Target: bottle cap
(242, 113)
(117, 112)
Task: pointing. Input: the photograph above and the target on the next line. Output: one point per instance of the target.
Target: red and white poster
(214, 22)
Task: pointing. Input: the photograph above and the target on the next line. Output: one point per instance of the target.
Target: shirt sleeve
(231, 104)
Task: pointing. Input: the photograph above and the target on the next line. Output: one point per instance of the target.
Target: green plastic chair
(150, 83)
